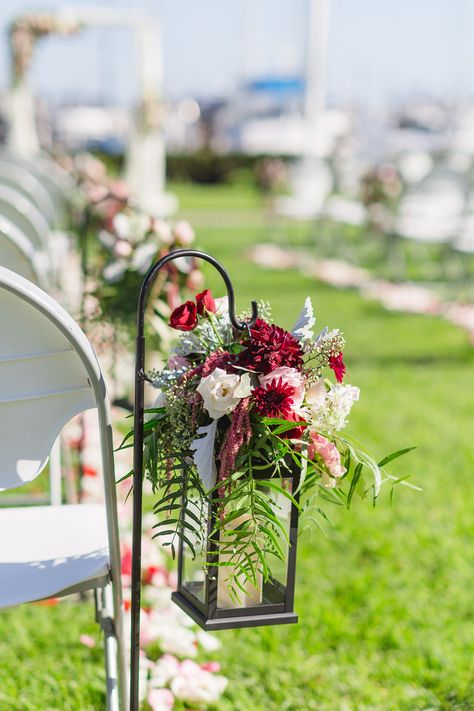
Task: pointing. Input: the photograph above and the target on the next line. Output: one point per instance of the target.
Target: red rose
(184, 318)
(205, 302)
(337, 365)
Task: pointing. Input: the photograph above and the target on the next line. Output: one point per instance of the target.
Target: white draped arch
(145, 160)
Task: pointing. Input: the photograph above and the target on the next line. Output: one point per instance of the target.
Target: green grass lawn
(386, 599)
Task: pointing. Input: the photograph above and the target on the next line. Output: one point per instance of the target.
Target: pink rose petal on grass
(160, 699)
(87, 641)
(213, 667)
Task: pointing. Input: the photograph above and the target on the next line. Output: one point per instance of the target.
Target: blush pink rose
(330, 456)
(289, 376)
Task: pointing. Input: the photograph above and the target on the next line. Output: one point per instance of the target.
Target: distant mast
(316, 74)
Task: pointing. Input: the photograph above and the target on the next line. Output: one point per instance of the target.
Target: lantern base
(227, 623)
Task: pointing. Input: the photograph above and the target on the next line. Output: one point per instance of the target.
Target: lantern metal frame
(280, 612)
(207, 614)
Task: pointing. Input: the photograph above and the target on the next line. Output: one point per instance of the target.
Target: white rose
(218, 390)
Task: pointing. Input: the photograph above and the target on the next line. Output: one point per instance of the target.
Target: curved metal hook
(177, 254)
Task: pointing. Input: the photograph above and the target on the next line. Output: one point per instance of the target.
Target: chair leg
(55, 473)
(113, 651)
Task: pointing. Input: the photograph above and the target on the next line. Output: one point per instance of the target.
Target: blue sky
(379, 50)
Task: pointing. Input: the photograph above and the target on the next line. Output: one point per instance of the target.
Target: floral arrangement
(25, 31)
(129, 241)
(233, 404)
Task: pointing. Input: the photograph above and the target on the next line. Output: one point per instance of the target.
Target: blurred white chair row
(48, 374)
(437, 207)
(33, 201)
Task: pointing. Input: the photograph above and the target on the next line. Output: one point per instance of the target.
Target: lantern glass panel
(193, 576)
(281, 507)
(272, 591)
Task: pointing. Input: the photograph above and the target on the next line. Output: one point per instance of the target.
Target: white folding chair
(18, 254)
(55, 180)
(23, 213)
(19, 178)
(48, 374)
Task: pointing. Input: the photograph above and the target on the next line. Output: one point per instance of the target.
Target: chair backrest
(18, 178)
(55, 180)
(48, 374)
(23, 213)
(18, 254)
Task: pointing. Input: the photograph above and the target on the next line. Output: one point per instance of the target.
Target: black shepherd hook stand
(139, 437)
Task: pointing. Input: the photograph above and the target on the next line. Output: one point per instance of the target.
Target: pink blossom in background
(183, 233)
(173, 296)
(160, 699)
(213, 667)
(120, 189)
(195, 280)
(122, 248)
(162, 229)
(195, 685)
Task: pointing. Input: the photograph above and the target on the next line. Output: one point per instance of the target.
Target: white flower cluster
(329, 409)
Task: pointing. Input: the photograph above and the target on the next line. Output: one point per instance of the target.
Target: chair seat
(47, 551)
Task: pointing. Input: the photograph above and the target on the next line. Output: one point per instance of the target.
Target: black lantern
(204, 572)
(203, 591)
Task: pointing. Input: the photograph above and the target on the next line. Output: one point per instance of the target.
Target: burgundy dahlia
(270, 347)
(275, 399)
